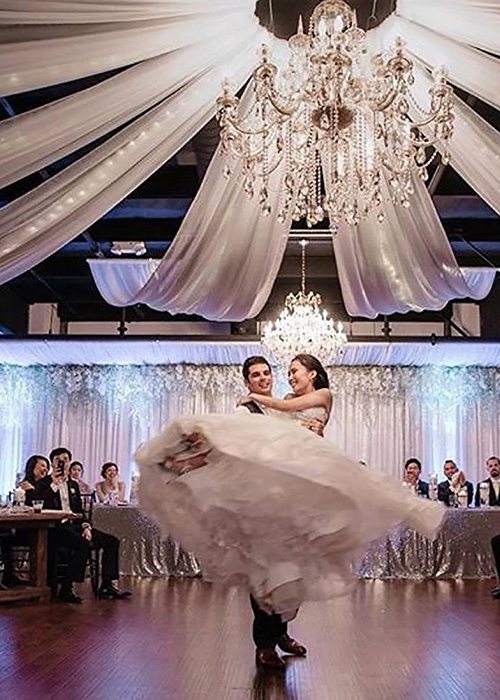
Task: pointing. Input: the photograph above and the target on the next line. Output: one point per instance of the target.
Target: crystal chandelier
(338, 120)
(303, 327)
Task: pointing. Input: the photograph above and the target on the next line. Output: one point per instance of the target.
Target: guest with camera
(488, 491)
(78, 536)
(454, 483)
(413, 470)
(111, 490)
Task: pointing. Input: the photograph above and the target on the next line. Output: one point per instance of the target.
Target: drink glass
(462, 498)
(484, 493)
(37, 506)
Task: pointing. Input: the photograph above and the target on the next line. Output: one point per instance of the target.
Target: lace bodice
(310, 413)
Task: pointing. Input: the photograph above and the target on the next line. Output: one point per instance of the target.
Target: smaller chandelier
(337, 121)
(302, 327)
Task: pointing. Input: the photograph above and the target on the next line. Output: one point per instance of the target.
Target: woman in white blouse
(110, 490)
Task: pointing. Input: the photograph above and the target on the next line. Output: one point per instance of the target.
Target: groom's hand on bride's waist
(314, 425)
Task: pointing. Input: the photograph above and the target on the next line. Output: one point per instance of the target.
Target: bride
(269, 505)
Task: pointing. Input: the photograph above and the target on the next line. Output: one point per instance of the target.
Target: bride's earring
(312, 377)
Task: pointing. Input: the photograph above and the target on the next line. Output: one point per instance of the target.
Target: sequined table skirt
(143, 552)
(461, 550)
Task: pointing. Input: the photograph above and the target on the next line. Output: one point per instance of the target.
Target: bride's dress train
(276, 508)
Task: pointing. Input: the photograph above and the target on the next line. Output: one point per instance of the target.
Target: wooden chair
(58, 567)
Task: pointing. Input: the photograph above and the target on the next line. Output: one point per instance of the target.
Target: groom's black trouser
(267, 629)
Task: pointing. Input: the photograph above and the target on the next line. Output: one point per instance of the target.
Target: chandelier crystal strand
(339, 120)
(303, 327)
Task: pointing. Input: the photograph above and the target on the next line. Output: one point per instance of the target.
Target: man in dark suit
(269, 630)
(493, 483)
(413, 470)
(455, 480)
(63, 493)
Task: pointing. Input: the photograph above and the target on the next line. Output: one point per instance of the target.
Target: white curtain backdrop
(382, 415)
(73, 350)
(474, 22)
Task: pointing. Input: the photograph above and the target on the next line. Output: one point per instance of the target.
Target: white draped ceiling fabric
(225, 258)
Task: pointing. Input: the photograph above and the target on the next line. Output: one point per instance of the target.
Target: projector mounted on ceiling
(128, 248)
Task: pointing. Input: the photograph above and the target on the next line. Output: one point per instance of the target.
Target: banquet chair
(58, 567)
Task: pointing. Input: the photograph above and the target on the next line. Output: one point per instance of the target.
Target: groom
(269, 631)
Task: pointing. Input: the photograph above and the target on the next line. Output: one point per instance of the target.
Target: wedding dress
(276, 508)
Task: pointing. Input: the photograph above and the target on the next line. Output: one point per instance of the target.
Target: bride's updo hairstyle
(312, 363)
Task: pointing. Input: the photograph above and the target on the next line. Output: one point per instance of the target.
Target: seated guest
(493, 468)
(36, 470)
(78, 536)
(413, 470)
(455, 481)
(35, 474)
(111, 489)
(495, 546)
(76, 472)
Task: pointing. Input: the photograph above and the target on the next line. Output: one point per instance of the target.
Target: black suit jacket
(253, 407)
(423, 488)
(52, 500)
(494, 501)
(39, 487)
(444, 492)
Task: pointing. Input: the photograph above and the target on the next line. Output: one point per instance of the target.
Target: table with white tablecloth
(461, 550)
(143, 550)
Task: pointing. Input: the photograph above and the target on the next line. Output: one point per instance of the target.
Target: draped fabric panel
(33, 140)
(223, 233)
(119, 352)
(468, 68)
(39, 223)
(474, 22)
(28, 60)
(95, 11)
(225, 249)
(403, 263)
(474, 147)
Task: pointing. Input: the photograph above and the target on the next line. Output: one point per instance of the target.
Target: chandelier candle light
(303, 327)
(339, 119)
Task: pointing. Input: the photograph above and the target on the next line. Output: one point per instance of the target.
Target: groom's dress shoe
(112, 593)
(67, 595)
(268, 659)
(290, 646)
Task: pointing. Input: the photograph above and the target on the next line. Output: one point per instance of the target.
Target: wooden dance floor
(183, 640)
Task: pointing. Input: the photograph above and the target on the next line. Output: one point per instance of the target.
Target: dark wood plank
(186, 640)
(22, 593)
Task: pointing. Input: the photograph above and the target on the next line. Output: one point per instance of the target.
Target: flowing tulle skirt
(277, 508)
